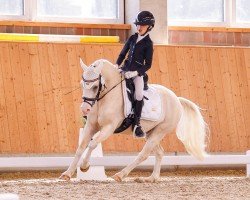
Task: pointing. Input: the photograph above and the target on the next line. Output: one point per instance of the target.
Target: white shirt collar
(140, 37)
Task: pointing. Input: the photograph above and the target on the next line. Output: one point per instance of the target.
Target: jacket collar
(146, 37)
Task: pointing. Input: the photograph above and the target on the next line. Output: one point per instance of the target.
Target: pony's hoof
(139, 180)
(85, 169)
(64, 177)
(117, 178)
(146, 180)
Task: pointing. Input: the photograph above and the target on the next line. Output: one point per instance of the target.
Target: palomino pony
(103, 104)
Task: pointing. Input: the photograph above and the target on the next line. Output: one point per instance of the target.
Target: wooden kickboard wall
(39, 115)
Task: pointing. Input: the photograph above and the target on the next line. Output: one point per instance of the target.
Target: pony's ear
(83, 66)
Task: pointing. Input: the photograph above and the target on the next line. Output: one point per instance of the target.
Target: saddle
(152, 108)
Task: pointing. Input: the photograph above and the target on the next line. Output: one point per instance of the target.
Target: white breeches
(139, 85)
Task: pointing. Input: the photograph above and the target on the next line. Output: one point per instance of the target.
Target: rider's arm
(124, 52)
(148, 60)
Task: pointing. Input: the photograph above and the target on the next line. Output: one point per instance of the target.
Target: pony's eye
(95, 88)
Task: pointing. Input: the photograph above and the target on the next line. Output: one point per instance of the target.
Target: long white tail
(192, 129)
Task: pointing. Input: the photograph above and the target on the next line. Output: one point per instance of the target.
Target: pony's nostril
(88, 110)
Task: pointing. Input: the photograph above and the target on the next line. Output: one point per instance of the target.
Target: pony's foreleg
(151, 143)
(99, 137)
(159, 153)
(88, 133)
(84, 166)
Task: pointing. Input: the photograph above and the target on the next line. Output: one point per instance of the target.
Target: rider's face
(142, 29)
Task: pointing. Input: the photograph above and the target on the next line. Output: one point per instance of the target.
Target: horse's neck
(111, 104)
(111, 75)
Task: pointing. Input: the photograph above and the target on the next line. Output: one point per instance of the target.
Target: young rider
(139, 48)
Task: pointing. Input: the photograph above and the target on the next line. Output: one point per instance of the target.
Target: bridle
(92, 101)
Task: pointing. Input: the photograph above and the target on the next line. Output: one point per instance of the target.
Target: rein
(111, 89)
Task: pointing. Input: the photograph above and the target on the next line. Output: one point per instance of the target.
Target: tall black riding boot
(125, 124)
(145, 79)
(137, 129)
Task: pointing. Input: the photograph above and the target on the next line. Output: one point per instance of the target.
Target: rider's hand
(118, 68)
(130, 74)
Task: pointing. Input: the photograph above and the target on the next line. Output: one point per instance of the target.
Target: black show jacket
(140, 54)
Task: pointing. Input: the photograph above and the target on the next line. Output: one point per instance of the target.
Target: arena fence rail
(117, 161)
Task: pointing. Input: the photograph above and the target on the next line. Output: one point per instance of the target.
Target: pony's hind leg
(151, 143)
(159, 153)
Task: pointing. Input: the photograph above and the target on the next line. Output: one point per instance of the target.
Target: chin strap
(148, 29)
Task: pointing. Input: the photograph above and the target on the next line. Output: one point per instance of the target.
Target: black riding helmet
(145, 18)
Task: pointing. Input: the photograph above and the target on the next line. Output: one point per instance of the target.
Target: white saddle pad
(152, 108)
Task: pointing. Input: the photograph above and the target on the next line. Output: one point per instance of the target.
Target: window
(242, 11)
(14, 7)
(65, 10)
(192, 10)
(97, 11)
(233, 13)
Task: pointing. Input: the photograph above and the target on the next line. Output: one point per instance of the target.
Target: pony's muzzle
(85, 112)
(85, 108)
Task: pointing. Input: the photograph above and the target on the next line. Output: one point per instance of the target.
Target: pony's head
(99, 77)
(92, 84)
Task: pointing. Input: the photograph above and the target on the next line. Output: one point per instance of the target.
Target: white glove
(130, 74)
(116, 66)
